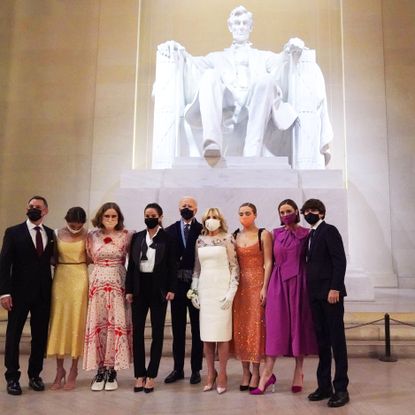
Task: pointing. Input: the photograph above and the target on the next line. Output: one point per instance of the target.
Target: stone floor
(376, 388)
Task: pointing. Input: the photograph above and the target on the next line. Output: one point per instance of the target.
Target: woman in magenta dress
(288, 321)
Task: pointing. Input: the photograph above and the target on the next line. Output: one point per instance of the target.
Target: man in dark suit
(185, 232)
(326, 268)
(25, 286)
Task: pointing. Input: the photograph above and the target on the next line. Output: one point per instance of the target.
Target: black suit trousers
(329, 328)
(148, 298)
(39, 324)
(179, 307)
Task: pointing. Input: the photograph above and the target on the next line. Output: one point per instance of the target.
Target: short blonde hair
(214, 212)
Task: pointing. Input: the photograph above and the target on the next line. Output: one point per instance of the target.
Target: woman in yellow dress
(69, 298)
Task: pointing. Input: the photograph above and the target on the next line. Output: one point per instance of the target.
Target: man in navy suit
(185, 233)
(25, 286)
(326, 268)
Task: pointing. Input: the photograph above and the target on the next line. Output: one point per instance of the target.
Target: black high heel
(148, 390)
(140, 388)
(243, 388)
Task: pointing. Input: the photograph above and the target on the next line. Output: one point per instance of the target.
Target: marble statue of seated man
(235, 84)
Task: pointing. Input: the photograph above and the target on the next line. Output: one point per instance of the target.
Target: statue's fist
(295, 45)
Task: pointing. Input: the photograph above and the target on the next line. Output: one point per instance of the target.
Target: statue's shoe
(211, 150)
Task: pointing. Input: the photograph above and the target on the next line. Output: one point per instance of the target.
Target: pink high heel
(271, 381)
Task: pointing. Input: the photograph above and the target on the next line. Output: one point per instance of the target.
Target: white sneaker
(98, 383)
(111, 384)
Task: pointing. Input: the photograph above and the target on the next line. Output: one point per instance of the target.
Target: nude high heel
(59, 380)
(209, 386)
(71, 383)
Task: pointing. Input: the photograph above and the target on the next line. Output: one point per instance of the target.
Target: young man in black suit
(185, 232)
(326, 268)
(25, 286)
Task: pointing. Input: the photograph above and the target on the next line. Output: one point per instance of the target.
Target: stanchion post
(388, 356)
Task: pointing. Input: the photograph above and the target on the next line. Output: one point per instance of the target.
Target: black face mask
(186, 213)
(34, 214)
(151, 223)
(312, 218)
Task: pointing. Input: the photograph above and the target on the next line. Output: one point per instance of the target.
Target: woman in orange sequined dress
(254, 251)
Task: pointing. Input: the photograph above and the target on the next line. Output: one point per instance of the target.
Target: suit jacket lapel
(180, 236)
(28, 238)
(49, 239)
(316, 236)
(160, 247)
(137, 244)
(230, 60)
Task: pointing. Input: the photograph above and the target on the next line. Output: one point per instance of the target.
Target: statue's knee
(210, 77)
(265, 83)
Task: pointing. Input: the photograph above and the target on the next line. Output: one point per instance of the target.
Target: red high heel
(271, 381)
(297, 388)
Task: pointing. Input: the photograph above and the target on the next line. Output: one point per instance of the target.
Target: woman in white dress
(214, 284)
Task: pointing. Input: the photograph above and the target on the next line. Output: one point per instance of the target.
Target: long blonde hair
(214, 212)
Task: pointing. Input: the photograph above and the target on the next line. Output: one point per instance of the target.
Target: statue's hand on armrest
(171, 49)
(295, 46)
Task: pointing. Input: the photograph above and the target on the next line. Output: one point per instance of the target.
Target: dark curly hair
(314, 204)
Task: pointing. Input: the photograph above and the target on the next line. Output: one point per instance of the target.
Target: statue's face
(240, 27)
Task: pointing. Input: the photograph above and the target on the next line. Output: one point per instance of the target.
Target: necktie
(186, 231)
(144, 249)
(310, 241)
(39, 241)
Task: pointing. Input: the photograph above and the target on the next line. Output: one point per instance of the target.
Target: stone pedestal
(228, 183)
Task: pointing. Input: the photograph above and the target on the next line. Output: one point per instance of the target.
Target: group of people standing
(254, 294)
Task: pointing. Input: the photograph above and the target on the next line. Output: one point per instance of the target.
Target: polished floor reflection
(376, 388)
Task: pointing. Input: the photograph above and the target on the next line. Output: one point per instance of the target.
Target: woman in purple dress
(288, 321)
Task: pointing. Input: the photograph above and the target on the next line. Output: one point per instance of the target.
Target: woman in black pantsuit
(150, 284)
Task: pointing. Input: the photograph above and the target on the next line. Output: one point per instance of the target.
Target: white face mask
(73, 231)
(212, 224)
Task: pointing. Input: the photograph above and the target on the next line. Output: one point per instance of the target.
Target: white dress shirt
(31, 226)
(148, 266)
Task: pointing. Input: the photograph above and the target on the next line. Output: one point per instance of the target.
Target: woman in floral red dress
(108, 329)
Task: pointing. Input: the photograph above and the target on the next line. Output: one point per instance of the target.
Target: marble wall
(367, 140)
(47, 104)
(67, 102)
(75, 103)
(399, 53)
